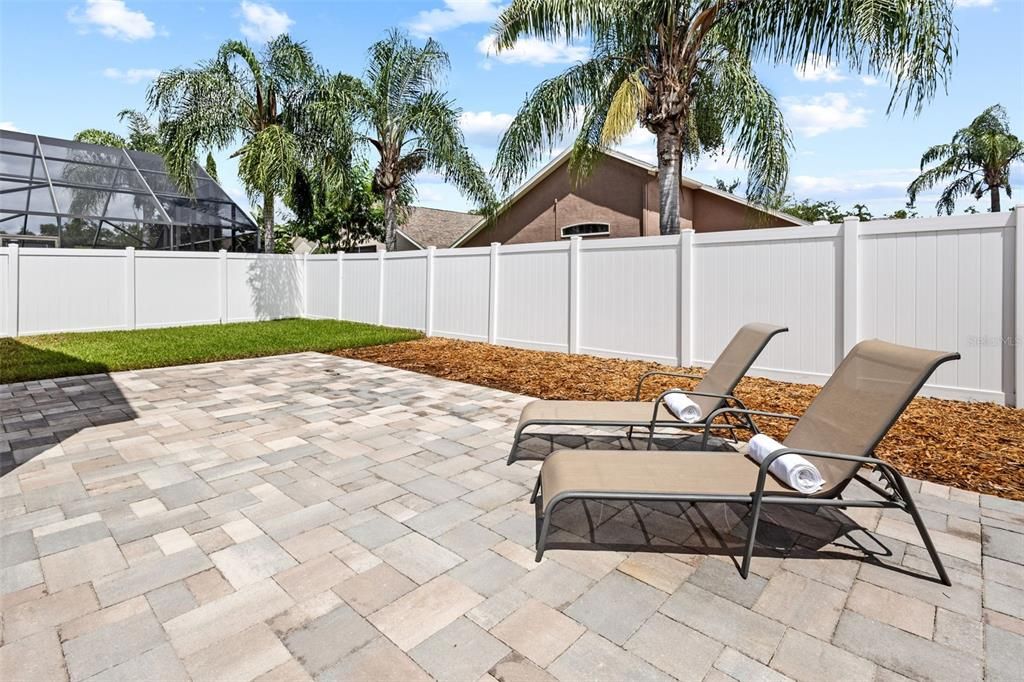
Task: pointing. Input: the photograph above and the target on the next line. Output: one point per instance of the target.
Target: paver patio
(307, 516)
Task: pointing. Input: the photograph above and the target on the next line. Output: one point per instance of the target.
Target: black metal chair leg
(515, 447)
(748, 551)
(536, 491)
(911, 509)
(542, 535)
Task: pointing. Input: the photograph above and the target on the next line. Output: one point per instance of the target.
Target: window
(585, 230)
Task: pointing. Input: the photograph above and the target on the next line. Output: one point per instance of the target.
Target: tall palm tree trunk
(391, 219)
(268, 223)
(670, 148)
(993, 194)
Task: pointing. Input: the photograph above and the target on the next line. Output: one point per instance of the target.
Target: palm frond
(913, 42)
(737, 107)
(627, 105)
(268, 162)
(550, 112)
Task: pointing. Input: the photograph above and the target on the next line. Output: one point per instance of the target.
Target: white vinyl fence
(950, 283)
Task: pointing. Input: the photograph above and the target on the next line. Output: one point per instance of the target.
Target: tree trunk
(670, 147)
(993, 194)
(391, 219)
(268, 223)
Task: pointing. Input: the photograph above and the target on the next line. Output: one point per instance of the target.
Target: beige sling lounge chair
(714, 391)
(838, 433)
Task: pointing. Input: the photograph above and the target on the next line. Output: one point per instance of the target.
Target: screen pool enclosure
(76, 195)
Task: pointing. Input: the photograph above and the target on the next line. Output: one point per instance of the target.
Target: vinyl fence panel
(405, 295)
(66, 290)
(360, 288)
(176, 288)
(321, 286)
(629, 298)
(789, 279)
(533, 296)
(950, 283)
(462, 293)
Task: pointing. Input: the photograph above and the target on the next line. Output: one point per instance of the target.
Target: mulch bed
(969, 445)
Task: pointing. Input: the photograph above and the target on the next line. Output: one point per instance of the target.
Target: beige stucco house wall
(622, 192)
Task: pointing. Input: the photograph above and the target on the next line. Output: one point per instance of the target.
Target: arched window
(586, 230)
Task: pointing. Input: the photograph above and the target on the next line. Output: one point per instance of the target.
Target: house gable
(622, 192)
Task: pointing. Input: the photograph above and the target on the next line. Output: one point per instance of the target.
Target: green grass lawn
(57, 355)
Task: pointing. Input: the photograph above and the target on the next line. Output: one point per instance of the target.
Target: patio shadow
(60, 407)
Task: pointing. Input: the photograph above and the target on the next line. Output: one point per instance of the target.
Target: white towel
(792, 469)
(681, 406)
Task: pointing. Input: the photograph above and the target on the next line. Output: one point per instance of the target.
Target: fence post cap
(222, 250)
(821, 222)
(431, 247)
(851, 219)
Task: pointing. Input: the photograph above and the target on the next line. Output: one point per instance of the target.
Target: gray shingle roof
(436, 227)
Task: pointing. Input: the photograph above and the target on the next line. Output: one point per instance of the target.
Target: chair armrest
(762, 474)
(724, 396)
(745, 412)
(640, 383)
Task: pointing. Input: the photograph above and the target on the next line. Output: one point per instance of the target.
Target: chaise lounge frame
(661, 418)
(894, 495)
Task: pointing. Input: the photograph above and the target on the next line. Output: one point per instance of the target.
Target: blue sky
(65, 66)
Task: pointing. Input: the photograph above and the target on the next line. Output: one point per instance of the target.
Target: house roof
(436, 227)
(556, 162)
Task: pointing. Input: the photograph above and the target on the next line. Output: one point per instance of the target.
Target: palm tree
(683, 70)
(412, 126)
(240, 96)
(143, 136)
(977, 160)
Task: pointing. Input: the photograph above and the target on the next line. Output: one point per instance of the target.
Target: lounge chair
(838, 434)
(714, 390)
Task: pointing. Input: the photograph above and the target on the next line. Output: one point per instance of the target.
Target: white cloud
(261, 22)
(853, 184)
(130, 76)
(9, 125)
(533, 51)
(813, 116)
(975, 3)
(454, 14)
(484, 123)
(869, 80)
(722, 161)
(640, 144)
(817, 68)
(113, 19)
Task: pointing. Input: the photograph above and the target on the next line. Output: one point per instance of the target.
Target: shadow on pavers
(36, 415)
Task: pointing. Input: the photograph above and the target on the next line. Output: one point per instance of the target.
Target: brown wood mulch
(969, 445)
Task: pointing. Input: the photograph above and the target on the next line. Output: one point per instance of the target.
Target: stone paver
(419, 614)
(112, 644)
(310, 517)
(660, 640)
(538, 632)
(461, 651)
(324, 640)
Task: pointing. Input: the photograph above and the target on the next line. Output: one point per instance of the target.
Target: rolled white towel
(797, 472)
(681, 406)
